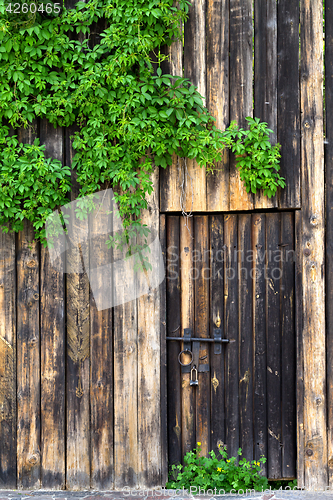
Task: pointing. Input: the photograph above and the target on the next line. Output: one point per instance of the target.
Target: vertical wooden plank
(173, 329)
(7, 361)
(288, 122)
(299, 351)
(218, 95)
(163, 322)
(273, 345)
(313, 238)
(149, 352)
(125, 373)
(217, 391)
(78, 363)
(171, 177)
(329, 227)
(101, 350)
(259, 338)
(195, 70)
(187, 321)
(288, 346)
(240, 88)
(28, 353)
(52, 330)
(265, 75)
(232, 329)
(201, 329)
(245, 335)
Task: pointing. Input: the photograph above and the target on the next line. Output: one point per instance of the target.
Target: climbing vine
(91, 68)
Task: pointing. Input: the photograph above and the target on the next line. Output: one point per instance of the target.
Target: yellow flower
(228, 460)
(219, 469)
(258, 463)
(199, 444)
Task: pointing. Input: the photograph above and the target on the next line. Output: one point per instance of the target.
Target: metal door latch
(195, 380)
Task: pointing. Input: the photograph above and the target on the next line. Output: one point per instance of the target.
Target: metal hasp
(217, 341)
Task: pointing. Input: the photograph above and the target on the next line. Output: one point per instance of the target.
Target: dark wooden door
(233, 274)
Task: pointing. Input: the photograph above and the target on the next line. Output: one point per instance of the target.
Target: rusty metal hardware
(195, 381)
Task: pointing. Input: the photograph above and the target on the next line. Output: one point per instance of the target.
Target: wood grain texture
(232, 327)
(195, 71)
(217, 375)
(149, 370)
(78, 351)
(288, 124)
(201, 329)
(217, 61)
(173, 329)
(313, 241)
(52, 330)
(28, 351)
(274, 366)
(187, 321)
(7, 361)
(265, 75)
(259, 338)
(101, 351)
(240, 82)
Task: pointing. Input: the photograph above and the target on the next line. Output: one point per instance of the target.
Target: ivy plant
(91, 68)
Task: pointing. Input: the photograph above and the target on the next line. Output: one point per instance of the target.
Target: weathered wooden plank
(125, 373)
(201, 329)
(265, 75)
(78, 341)
(173, 328)
(329, 228)
(232, 329)
(288, 123)
(217, 22)
(217, 392)
(245, 335)
(187, 321)
(313, 240)
(273, 345)
(299, 351)
(52, 331)
(164, 366)
(7, 361)
(240, 88)
(195, 70)
(28, 346)
(101, 348)
(259, 338)
(288, 346)
(149, 370)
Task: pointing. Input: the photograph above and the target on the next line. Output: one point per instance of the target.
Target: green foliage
(128, 116)
(283, 485)
(221, 473)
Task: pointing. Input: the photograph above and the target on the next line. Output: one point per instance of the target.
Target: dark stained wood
(28, 351)
(201, 266)
(288, 346)
(8, 472)
(173, 329)
(240, 82)
(78, 341)
(216, 309)
(217, 60)
(52, 326)
(265, 75)
(288, 117)
(101, 349)
(245, 335)
(259, 338)
(313, 244)
(273, 266)
(164, 373)
(232, 329)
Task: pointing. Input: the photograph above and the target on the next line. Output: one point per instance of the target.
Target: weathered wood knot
(36, 296)
(33, 459)
(306, 124)
(314, 220)
(31, 263)
(318, 401)
(32, 341)
(309, 452)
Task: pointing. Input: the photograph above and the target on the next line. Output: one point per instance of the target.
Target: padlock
(195, 381)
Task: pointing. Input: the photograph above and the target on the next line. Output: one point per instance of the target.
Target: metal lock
(195, 381)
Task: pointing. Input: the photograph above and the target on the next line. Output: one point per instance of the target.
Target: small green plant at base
(222, 473)
(283, 484)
